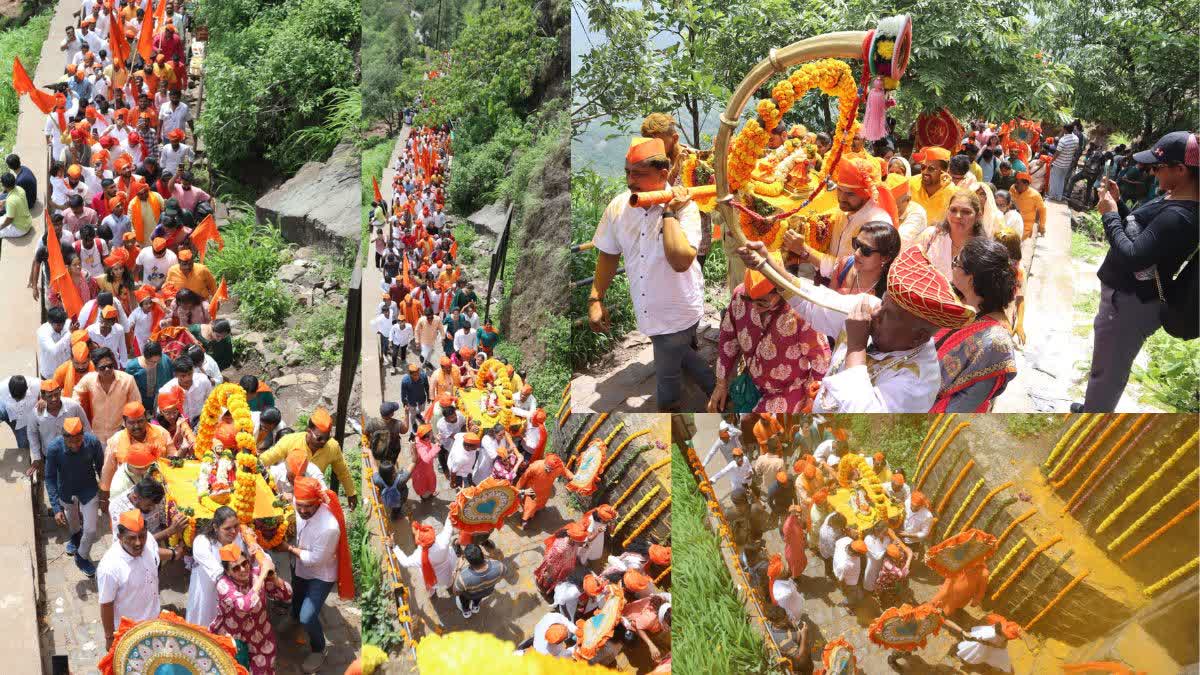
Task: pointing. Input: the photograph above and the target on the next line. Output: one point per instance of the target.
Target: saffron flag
(220, 296)
(205, 232)
(60, 279)
(145, 45)
(117, 44)
(160, 15)
(378, 194)
(22, 84)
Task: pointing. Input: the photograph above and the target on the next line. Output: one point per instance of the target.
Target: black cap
(1178, 147)
(388, 408)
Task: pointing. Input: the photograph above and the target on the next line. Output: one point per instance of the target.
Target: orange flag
(117, 44)
(378, 194)
(145, 45)
(22, 84)
(205, 232)
(221, 295)
(160, 14)
(60, 279)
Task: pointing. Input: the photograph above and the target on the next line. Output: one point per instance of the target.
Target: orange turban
(918, 500)
(423, 534)
(134, 409)
(592, 585)
(636, 581)
(781, 477)
(80, 352)
(577, 532)
(159, 244)
(231, 552)
(72, 426)
(893, 551)
(556, 634)
(175, 135)
(307, 490)
(660, 555)
(117, 257)
(75, 171)
(471, 439)
(756, 285)
(879, 457)
(936, 152)
(821, 496)
(139, 456)
(423, 430)
(109, 312)
(321, 420)
(641, 149)
(922, 291)
(50, 385)
(80, 337)
(444, 362)
(526, 390)
(897, 479)
(445, 399)
(737, 452)
(554, 462)
(132, 520)
(170, 398)
(185, 255)
(297, 460)
(605, 512)
(859, 546)
(539, 416)
(1023, 175)
(1010, 629)
(863, 178)
(227, 435)
(810, 471)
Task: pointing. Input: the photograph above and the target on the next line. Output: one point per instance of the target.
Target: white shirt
(461, 461)
(170, 158)
(827, 539)
(173, 118)
(724, 448)
(915, 220)
(154, 270)
(210, 371)
(317, 539)
(975, 653)
(193, 399)
(876, 549)
(202, 586)
(485, 458)
(824, 450)
(665, 301)
(441, 557)
(523, 406)
(92, 259)
(890, 382)
(789, 598)
(400, 334)
(465, 337)
(593, 548)
(18, 412)
(284, 482)
(566, 595)
(739, 474)
(54, 348)
(540, 644)
(533, 436)
(1014, 221)
(846, 563)
(130, 584)
(382, 324)
(86, 311)
(115, 340)
(918, 522)
(139, 323)
(447, 431)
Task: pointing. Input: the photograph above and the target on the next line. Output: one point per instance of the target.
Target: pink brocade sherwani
(243, 615)
(783, 353)
(424, 479)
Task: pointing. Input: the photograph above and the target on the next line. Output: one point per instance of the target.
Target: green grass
(1172, 378)
(252, 250)
(264, 304)
(712, 633)
(897, 437)
(1023, 425)
(324, 321)
(465, 235)
(1085, 248)
(1086, 304)
(24, 42)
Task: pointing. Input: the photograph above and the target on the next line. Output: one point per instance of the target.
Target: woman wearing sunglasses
(943, 241)
(242, 592)
(977, 360)
(865, 271)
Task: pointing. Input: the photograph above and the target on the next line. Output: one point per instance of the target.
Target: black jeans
(674, 354)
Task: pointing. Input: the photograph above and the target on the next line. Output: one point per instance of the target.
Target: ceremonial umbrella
(906, 628)
(938, 128)
(592, 633)
(960, 552)
(168, 644)
(483, 508)
(838, 659)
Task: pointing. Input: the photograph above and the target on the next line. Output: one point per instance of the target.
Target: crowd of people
(795, 480)
(132, 347)
(449, 433)
(913, 300)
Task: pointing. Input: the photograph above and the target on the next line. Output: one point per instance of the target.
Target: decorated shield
(960, 552)
(587, 474)
(484, 507)
(592, 633)
(938, 128)
(838, 658)
(174, 340)
(906, 628)
(168, 644)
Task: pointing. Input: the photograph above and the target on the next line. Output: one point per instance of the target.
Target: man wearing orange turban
(538, 484)
(323, 451)
(127, 577)
(728, 437)
(73, 370)
(560, 557)
(918, 521)
(933, 188)
(533, 441)
(900, 372)
(659, 244)
(136, 429)
(597, 522)
(434, 556)
(72, 463)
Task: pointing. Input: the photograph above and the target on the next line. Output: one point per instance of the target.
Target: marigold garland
(657, 465)
(1066, 438)
(929, 432)
(945, 444)
(986, 500)
(1054, 601)
(1186, 483)
(622, 446)
(636, 507)
(1109, 463)
(566, 412)
(1108, 431)
(962, 509)
(954, 486)
(933, 443)
(1025, 565)
(566, 402)
(1159, 532)
(1172, 461)
(1012, 553)
(1013, 525)
(586, 438)
(662, 575)
(1137, 424)
(613, 434)
(1080, 440)
(646, 523)
(1171, 578)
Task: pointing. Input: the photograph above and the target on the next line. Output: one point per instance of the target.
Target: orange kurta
(960, 590)
(795, 537)
(539, 478)
(157, 439)
(200, 281)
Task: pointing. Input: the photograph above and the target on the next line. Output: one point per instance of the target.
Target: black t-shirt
(1159, 234)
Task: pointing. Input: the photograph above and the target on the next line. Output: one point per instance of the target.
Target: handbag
(744, 393)
(1179, 310)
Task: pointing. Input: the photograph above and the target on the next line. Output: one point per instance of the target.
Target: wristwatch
(669, 214)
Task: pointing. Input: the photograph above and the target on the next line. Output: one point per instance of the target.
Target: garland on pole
(1139, 423)
(624, 443)
(987, 498)
(1108, 431)
(613, 434)
(1025, 565)
(1013, 525)
(1066, 438)
(661, 463)
(646, 523)
(586, 438)
(1159, 532)
(1171, 578)
(945, 444)
(1085, 435)
(637, 507)
(933, 443)
(1172, 461)
(1012, 553)
(1189, 482)
(966, 502)
(929, 432)
(1055, 600)
(954, 486)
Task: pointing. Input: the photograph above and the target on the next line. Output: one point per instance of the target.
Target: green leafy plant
(252, 249)
(24, 42)
(1172, 377)
(325, 321)
(898, 437)
(264, 304)
(1026, 425)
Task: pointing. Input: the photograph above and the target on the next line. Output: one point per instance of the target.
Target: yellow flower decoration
(468, 651)
(885, 48)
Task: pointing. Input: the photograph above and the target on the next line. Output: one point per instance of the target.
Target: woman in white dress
(206, 565)
(940, 242)
(783, 590)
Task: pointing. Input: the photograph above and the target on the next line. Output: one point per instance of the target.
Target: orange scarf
(135, 215)
(345, 576)
(427, 568)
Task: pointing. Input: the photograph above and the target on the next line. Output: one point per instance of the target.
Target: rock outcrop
(320, 204)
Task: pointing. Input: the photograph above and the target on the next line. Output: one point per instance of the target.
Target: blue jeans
(673, 354)
(22, 437)
(308, 597)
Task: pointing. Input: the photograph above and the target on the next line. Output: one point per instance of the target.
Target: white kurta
(540, 644)
(130, 584)
(441, 557)
(876, 550)
(739, 474)
(485, 459)
(724, 448)
(890, 382)
(317, 539)
(789, 598)
(593, 548)
(918, 522)
(846, 563)
(202, 587)
(461, 460)
(566, 595)
(976, 652)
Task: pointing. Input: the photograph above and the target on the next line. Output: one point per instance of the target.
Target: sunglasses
(108, 366)
(867, 251)
(238, 566)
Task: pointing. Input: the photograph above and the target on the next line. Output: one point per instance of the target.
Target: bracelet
(669, 214)
(590, 300)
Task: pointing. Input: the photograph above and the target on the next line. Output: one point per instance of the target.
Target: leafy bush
(264, 304)
(1172, 377)
(321, 323)
(898, 437)
(24, 42)
(1024, 425)
(479, 170)
(251, 250)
